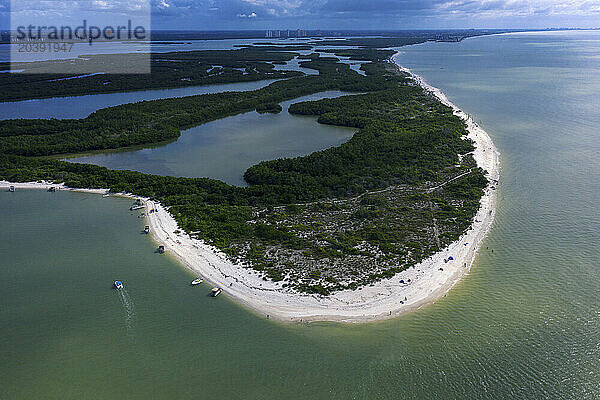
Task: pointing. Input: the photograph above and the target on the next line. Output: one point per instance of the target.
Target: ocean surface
(524, 324)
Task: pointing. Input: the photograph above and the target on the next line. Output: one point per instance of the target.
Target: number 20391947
(58, 47)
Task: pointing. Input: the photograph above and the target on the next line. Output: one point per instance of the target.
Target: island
(380, 225)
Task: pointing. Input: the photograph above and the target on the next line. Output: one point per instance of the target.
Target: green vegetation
(169, 70)
(274, 47)
(373, 42)
(336, 219)
(362, 54)
(272, 108)
(404, 39)
(156, 121)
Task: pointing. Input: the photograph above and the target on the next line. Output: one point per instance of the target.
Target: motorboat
(139, 204)
(119, 284)
(197, 281)
(215, 291)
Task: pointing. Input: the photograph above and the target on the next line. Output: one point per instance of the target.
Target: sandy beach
(5, 185)
(407, 291)
(379, 301)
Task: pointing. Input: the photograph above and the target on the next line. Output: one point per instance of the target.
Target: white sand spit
(379, 301)
(429, 280)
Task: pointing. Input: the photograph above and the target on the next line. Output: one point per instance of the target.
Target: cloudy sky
(327, 14)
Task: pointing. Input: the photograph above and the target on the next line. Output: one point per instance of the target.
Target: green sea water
(524, 324)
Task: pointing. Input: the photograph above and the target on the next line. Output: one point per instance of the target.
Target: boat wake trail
(128, 307)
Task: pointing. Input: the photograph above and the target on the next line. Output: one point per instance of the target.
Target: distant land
(446, 35)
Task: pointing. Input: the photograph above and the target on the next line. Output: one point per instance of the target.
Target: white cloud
(251, 15)
(100, 4)
(366, 10)
(285, 7)
(520, 8)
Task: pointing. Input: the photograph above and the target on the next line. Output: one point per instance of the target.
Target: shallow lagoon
(226, 148)
(82, 106)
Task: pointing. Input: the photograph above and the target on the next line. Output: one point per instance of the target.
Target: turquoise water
(226, 148)
(524, 324)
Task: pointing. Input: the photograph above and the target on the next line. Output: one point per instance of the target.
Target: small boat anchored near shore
(197, 281)
(215, 292)
(118, 284)
(11, 189)
(139, 204)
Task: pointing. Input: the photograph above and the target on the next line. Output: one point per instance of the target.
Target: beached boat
(161, 249)
(147, 229)
(119, 284)
(197, 281)
(215, 291)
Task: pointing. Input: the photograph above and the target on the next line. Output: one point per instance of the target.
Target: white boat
(197, 281)
(11, 189)
(215, 291)
(119, 284)
(132, 208)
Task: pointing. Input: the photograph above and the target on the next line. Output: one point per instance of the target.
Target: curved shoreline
(375, 302)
